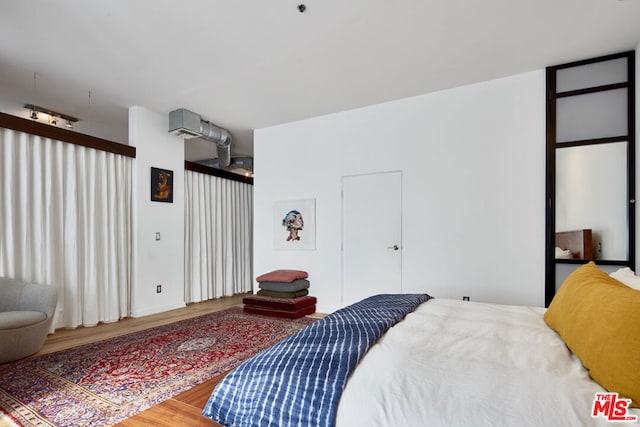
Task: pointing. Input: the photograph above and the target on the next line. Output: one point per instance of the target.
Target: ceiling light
(53, 115)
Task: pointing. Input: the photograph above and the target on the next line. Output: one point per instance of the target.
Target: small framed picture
(161, 185)
(294, 224)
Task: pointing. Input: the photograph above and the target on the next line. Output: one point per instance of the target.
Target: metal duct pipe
(221, 137)
(236, 163)
(188, 124)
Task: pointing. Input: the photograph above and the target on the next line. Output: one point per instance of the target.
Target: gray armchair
(26, 313)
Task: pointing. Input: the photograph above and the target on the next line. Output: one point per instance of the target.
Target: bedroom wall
(473, 169)
(156, 262)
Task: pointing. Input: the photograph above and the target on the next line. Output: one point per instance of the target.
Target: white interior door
(371, 235)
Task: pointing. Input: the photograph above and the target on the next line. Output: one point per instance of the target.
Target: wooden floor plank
(170, 413)
(185, 409)
(198, 395)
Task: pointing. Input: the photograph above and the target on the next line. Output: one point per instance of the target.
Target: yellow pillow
(599, 320)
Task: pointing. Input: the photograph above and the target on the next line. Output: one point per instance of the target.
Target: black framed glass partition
(590, 178)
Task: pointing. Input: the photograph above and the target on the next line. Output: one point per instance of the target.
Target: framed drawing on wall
(161, 185)
(294, 224)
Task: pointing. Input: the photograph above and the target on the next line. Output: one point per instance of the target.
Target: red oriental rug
(106, 382)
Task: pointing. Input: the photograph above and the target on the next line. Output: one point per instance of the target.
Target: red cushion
(280, 313)
(287, 304)
(282, 276)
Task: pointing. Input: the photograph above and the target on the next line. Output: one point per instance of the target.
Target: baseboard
(157, 309)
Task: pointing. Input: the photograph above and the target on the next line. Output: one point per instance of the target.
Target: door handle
(394, 247)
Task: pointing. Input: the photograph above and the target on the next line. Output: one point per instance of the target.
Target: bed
(445, 362)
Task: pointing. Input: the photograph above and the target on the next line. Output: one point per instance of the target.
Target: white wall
(473, 193)
(156, 262)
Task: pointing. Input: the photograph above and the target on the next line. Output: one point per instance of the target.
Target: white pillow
(628, 277)
(563, 253)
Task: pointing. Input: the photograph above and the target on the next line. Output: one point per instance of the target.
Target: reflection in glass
(591, 193)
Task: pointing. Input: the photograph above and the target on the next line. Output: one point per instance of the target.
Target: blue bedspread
(298, 382)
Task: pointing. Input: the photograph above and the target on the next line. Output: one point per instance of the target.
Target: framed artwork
(161, 185)
(294, 224)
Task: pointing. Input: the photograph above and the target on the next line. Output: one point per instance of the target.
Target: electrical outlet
(158, 289)
(465, 298)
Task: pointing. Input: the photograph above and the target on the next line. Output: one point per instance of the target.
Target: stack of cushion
(283, 293)
(283, 284)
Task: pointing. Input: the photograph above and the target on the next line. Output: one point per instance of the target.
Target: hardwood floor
(184, 409)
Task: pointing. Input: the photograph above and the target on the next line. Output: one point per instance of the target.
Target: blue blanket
(298, 382)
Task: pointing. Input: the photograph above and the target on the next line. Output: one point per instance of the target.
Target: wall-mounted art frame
(294, 224)
(161, 185)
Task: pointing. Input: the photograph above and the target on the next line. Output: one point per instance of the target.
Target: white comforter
(455, 363)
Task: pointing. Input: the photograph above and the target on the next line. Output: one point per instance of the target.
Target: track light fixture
(53, 115)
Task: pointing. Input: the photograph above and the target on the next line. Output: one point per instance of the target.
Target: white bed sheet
(455, 363)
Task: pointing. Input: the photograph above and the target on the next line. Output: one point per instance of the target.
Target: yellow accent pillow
(599, 320)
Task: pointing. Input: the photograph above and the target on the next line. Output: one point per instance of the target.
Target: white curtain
(65, 220)
(218, 237)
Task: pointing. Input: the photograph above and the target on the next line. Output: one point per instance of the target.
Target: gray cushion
(296, 285)
(276, 294)
(20, 319)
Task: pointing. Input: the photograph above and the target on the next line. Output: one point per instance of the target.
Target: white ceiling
(245, 64)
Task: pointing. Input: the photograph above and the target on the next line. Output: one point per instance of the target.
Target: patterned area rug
(103, 383)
